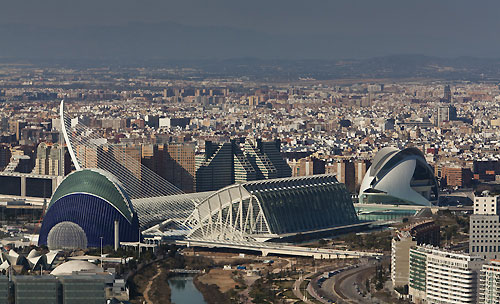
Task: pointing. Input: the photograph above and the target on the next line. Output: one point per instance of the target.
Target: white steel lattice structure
(154, 198)
(273, 208)
(232, 214)
(247, 212)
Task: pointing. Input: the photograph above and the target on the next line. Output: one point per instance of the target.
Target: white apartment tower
(452, 277)
(489, 292)
(449, 277)
(485, 227)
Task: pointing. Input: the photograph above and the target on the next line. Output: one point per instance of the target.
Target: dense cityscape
(415, 162)
(195, 152)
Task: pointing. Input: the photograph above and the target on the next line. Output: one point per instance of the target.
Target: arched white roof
(391, 174)
(69, 267)
(381, 157)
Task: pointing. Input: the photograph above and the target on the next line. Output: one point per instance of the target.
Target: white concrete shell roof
(69, 267)
(391, 174)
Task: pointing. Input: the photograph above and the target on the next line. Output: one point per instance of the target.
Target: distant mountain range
(391, 67)
(222, 51)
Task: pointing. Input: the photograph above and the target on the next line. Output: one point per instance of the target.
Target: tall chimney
(117, 235)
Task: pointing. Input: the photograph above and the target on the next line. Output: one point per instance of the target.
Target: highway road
(346, 286)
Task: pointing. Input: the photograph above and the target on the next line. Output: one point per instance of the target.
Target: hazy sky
(362, 28)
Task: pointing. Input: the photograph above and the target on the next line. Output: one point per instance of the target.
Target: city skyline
(284, 151)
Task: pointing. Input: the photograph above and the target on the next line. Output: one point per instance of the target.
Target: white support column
(23, 185)
(117, 235)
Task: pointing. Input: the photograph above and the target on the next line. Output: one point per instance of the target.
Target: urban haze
(207, 152)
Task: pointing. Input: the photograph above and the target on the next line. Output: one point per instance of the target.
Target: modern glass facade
(94, 215)
(36, 289)
(77, 290)
(38, 187)
(93, 200)
(10, 185)
(225, 164)
(374, 213)
(293, 205)
(216, 170)
(275, 208)
(418, 262)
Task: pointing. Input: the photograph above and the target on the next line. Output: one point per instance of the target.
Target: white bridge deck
(283, 249)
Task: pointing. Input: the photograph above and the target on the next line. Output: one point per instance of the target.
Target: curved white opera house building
(399, 177)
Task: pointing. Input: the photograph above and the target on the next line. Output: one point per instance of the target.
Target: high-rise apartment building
(442, 276)
(20, 125)
(127, 156)
(445, 113)
(52, 159)
(350, 172)
(456, 176)
(360, 168)
(447, 93)
(307, 166)
(417, 277)
(484, 227)
(5, 155)
(489, 290)
(175, 162)
(346, 174)
(179, 165)
(228, 163)
(124, 158)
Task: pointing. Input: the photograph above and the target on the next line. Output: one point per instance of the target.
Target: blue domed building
(93, 199)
